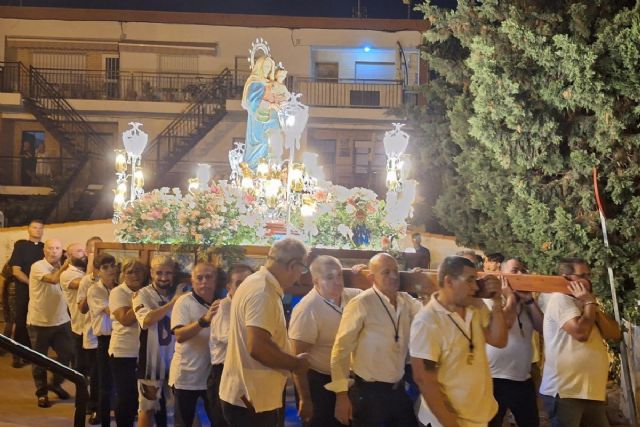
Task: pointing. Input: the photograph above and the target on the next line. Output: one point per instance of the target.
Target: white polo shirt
(98, 301)
(157, 342)
(365, 342)
(314, 320)
(513, 362)
(125, 340)
(89, 340)
(47, 306)
(257, 303)
(220, 332)
(469, 388)
(572, 369)
(77, 319)
(191, 363)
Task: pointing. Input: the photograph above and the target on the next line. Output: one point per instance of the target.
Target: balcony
(174, 87)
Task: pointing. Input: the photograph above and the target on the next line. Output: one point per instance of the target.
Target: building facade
(71, 80)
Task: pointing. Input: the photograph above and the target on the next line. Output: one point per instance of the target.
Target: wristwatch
(203, 323)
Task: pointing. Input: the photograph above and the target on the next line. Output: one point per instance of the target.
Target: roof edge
(221, 19)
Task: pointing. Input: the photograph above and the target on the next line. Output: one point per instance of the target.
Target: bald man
(373, 342)
(48, 319)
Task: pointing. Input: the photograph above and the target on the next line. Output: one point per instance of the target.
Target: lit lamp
(135, 141)
(272, 188)
(202, 178)
(308, 207)
(395, 143)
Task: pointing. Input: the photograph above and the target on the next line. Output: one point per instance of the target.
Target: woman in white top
(125, 341)
(98, 301)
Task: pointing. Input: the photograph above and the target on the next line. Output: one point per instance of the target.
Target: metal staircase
(205, 111)
(78, 179)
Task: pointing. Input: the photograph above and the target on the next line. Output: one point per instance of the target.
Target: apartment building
(71, 80)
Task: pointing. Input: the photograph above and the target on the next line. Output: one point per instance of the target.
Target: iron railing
(35, 172)
(184, 87)
(80, 381)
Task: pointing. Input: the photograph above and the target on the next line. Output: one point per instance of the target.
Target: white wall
(347, 58)
(291, 46)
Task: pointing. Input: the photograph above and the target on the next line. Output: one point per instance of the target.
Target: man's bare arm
(19, 274)
(425, 374)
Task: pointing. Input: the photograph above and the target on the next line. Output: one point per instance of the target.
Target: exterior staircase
(206, 110)
(77, 183)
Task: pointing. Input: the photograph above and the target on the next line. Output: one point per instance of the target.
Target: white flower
(345, 231)
(350, 208)
(341, 193)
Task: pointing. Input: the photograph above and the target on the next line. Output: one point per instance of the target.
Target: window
(178, 64)
(375, 70)
(67, 61)
(327, 70)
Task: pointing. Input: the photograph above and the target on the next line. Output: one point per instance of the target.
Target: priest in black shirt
(25, 253)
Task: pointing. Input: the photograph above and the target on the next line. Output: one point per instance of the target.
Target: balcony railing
(35, 171)
(174, 87)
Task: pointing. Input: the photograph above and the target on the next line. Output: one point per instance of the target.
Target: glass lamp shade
(395, 141)
(247, 183)
(138, 178)
(194, 184)
(263, 168)
(135, 140)
(203, 175)
(121, 188)
(118, 202)
(308, 207)
(121, 161)
(296, 178)
(271, 191)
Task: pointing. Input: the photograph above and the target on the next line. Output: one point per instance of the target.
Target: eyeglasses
(304, 268)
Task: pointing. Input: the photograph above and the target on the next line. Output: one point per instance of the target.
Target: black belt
(379, 384)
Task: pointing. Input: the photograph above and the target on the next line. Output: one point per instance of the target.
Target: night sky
(329, 8)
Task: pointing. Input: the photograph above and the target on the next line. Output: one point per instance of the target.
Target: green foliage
(529, 97)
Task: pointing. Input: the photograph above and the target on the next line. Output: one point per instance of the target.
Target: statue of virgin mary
(262, 112)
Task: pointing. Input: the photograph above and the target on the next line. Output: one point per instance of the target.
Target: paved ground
(18, 405)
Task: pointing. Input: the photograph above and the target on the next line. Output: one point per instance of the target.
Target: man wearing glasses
(253, 380)
(576, 366)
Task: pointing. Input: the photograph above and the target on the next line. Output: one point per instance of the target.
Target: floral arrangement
(224, 215)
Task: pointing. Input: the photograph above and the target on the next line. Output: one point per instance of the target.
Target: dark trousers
(377, 404)
(520, 398)
(186, 401)
(324, 401)
(237, 416)
(84, 361)
(58, 338)
(124, 371)
(22, 303)
(213, 388)
(575, 412)
(104, 380)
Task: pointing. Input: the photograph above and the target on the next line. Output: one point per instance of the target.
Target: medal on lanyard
(470, 355)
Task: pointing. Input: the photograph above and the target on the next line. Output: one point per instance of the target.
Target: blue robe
(259, 123)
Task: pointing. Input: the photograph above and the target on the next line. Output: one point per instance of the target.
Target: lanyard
(200, 300)
(333, 306)
(162, 300)
(396, 325)
(468, 337)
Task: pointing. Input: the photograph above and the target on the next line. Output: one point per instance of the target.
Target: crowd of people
(470, 349)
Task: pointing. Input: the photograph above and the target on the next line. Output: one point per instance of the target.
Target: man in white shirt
(153, 305)
(48, 319)
(219, 339)
(576, 366)
(190, 321)
(70, 281)
(372, 341)
(447, 348)
(510, 366)
(312, 329)
(258, 355)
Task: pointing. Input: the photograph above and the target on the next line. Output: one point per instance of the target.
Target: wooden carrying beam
(426, 282)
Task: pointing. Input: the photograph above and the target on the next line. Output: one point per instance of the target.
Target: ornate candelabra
(127, 165)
